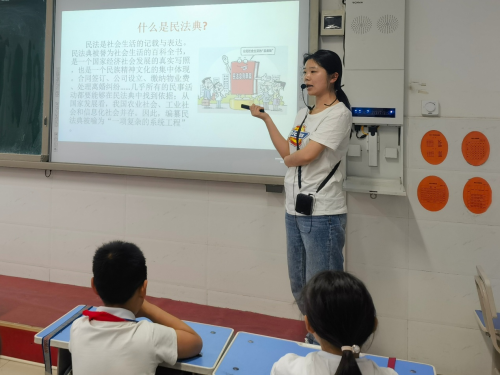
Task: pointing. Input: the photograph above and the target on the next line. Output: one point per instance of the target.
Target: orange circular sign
(476, 148)
(433, 193)
(477, 195)
(434, 147)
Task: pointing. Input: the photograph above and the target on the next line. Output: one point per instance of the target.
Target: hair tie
(354, 349)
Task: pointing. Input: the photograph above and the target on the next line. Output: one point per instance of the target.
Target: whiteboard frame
(41, 161)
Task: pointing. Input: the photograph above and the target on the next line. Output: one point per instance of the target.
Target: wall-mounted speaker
(374, 34)
(361, 24)
(387, 24)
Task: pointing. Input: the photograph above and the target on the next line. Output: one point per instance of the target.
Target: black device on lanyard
(304, 203)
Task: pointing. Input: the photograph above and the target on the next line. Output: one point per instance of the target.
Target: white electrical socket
(430, 108)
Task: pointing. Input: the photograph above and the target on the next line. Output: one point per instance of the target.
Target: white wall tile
(22, 244)
(71, 277)
(280, 309)
(167, 219)
(383, 205)
(74, 250)
(249, 194)
(169, 188)
(98, 182)
(22, 270)
(390, 339)
(455, 210)
(377, 240)
(32, 178)
(88, 211)
(445, 299)
(247, 227)
(451, 350)
(25, 205)
(174, 262)
(177, 292)
(249, 272)
(387, 286)
(454, 129)
(458, 251)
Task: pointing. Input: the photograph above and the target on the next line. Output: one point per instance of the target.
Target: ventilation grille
(387, 24)
(361, 25)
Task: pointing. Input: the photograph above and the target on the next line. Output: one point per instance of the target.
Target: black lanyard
(298, 148)
(325, 181)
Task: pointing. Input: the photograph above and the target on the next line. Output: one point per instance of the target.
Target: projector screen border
(40, 161)
(145, 172)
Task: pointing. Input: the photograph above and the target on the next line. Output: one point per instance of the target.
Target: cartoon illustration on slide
(277, 87)
(219, 93)
(265, 93)
(207, 87)
(249, 75)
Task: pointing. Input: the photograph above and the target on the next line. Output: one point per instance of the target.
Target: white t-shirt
(124, 348)
(323, 363)
(331, 128)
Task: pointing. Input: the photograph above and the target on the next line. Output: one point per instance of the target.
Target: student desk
(251, 354)
(215, 341)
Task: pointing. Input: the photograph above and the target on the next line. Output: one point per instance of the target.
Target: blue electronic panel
(373, 112)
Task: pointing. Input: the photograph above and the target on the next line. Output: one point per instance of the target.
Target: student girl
(341, 316)
(318, 141)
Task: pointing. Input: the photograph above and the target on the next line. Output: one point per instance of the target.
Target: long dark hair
(340, 310)
(331, 62)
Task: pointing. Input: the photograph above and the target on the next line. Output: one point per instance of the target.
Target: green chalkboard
(22, 50)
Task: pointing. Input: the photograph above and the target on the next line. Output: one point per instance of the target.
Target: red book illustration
(243, 75)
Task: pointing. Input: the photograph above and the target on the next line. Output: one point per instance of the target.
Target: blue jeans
(314, 244)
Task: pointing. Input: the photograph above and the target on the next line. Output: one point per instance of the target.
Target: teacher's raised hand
(255, 111)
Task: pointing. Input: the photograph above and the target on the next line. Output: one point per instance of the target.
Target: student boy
(109, 340)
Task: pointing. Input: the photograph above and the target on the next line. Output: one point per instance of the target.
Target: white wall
(223, 244)
(212, 243)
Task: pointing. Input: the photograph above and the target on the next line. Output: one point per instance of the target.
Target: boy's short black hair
(119, 269)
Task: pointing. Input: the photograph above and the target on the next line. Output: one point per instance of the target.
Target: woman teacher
(317, 143)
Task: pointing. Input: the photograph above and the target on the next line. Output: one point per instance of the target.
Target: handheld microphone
(303, 86)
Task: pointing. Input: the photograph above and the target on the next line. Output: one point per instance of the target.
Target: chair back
(482, 292)
(489, 291)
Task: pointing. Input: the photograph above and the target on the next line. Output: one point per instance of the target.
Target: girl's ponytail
(348, 364)
(342, 97)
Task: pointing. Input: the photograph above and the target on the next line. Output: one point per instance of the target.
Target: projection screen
(161, 85)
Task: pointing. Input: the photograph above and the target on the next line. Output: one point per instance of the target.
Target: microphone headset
(303, 86)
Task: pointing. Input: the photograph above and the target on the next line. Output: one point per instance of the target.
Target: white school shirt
(122, 348)
(323, 363)
(331, 128)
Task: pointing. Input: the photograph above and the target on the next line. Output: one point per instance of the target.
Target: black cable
(362, 137)
(299, 168)
(343, 38)
(329, 105)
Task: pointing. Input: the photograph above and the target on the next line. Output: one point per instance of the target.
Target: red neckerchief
(391, 363)
(103, 316)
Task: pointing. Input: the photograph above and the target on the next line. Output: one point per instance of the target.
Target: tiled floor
(17, 368)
